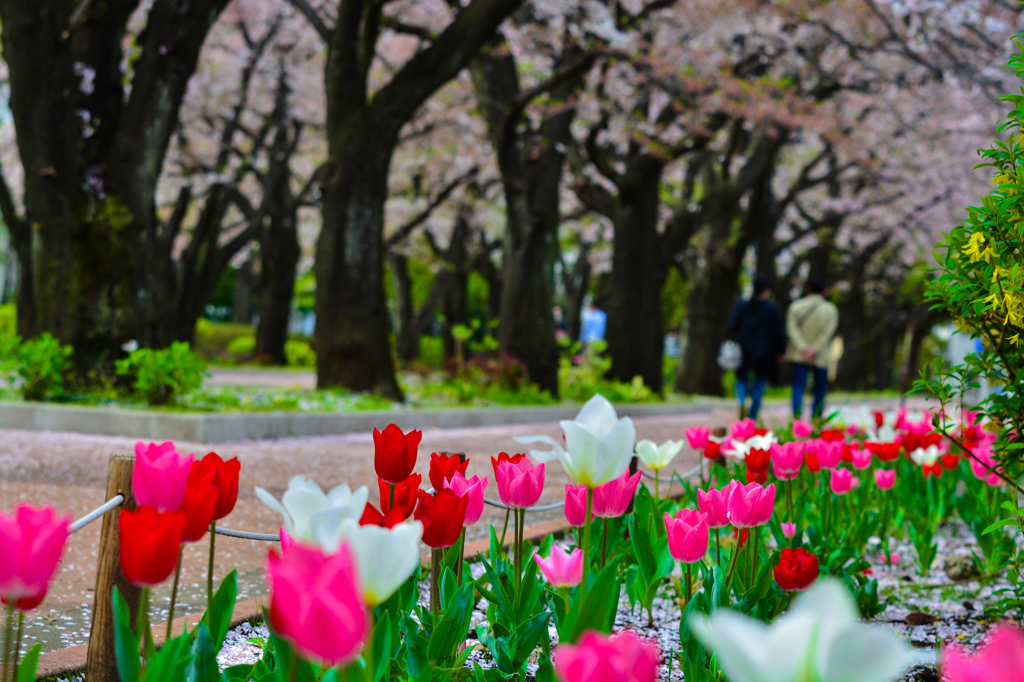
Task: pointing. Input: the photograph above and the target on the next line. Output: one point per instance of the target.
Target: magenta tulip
(985, 470)
(999, 659)
(885, 478)
(31, 544)
(715, 503)
(788, 529)
(160, 476)
(743, 429)
(687, 535)
(802, 429)
(843, 481)
(316, 603)
(612, 498)
(787, 460)
(861, 458)
(599, 658)
(751, 505)
(828, 454)
(519, 483)
(576, 505)
(698, 437)
(474, 488)
(561, 569)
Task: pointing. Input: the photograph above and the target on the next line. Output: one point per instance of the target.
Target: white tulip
(305, 507)
(741, 448)
(883, 434)
(821, 638)
(386, 557)
(926, 456)
(598, 445)
(658, 456)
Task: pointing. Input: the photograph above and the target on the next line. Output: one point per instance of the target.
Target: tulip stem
(142, 630)
(718, 547)
(789, 497)
(391, 496)
(435, 582)
(689, 585)
(753, 556)
(209, 568)
(508, 510)
(656, 481)
(732, 559)
(604, 540)
(174, 596)
(586, 540)
(8, 632)
(17, 644)
(462, 552)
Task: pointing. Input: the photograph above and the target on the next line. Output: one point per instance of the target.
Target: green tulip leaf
(218, 617)
(27, 666)
(126, 644)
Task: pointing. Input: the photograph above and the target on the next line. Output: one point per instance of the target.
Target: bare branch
(311, 15)
(405, 230)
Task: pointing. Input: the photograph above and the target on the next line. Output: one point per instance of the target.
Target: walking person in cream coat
(810, 324)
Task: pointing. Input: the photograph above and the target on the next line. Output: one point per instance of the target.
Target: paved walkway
(271, 378)
(69, 471)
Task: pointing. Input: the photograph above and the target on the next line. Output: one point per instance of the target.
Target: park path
(266, 378)
(69, 470)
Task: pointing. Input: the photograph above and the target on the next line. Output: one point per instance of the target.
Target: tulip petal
(543, 455)
(271, 501)
(863, 654)
(598, 415)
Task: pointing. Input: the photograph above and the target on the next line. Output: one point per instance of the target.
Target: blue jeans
(800, 373)
(744, 389)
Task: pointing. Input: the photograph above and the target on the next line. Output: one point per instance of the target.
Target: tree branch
(319, 25)
(405, 230)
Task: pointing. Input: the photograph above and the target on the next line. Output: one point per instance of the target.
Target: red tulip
(811, 460)
(713, 450)
(505, 457)
(442, 514)
(757, 465)
(797, 569)
(199, 505)
(222, 474)
(394, 453)
(443, 467)
(406, 496)
(149, 544)
(832, 435)
(372, 517)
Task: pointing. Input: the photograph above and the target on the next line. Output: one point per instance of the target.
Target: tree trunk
(635, 334)
(92, 270)
(279, 256)
(577, 283)
(407, 343)
(353, 348)
(245, 292)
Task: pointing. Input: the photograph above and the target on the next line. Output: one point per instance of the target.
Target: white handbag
(730, 355)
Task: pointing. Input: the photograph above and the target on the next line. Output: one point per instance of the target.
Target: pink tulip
(985, 469)
(788, 529)
(576, 505)
(743, 429)
(599, 658)
(999, 659)
(787, 459)
(612, 498)
(860, 458)
(830, 454)
(316, 603)
(474, 487)
(715, 503)
(561, 569)
(751, 505)
(687, 535)
(698, 437)
(802, 429)
(885, 478)
(160, 476)
(843, 481)
(31, 544)
(519, 484)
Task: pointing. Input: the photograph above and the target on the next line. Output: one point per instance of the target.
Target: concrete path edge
(223, 428)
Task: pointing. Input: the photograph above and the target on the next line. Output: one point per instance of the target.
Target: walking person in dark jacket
(757, 326)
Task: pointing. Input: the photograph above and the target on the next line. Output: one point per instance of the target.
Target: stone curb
(222, 428)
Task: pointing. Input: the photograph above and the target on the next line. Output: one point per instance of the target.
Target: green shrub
(432, 351)
(8, 320)
(581, 381)
(242, 345)
(214, 337)
(299, 353)
(160, 376)
(39, 365)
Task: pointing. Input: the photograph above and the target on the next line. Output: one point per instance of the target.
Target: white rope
(246, 535)
(109, 505)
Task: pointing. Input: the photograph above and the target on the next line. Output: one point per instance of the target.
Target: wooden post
(101, 663)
